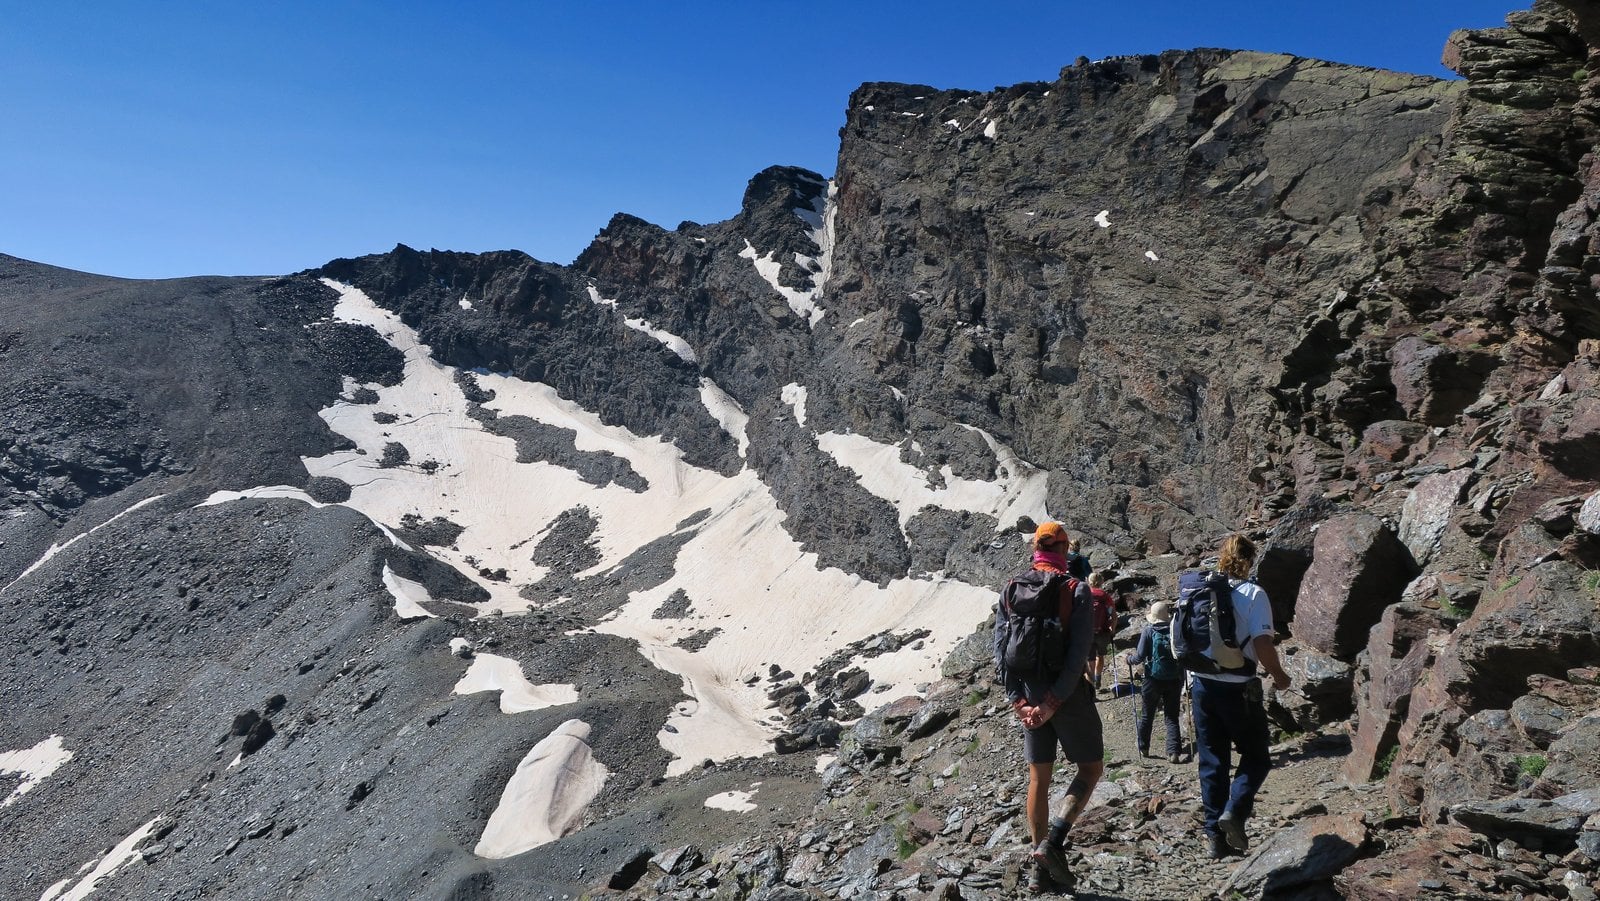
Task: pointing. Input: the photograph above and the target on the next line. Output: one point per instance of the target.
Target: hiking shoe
(1175, 758)
(1232, 829)
(1219, 847)
(1039, 882)
(1053, 861)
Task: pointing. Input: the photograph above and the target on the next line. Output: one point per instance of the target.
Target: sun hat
(1160, 612)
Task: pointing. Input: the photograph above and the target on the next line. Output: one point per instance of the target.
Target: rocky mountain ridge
(243, 522)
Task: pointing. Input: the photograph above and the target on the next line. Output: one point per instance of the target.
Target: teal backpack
(1162, 665)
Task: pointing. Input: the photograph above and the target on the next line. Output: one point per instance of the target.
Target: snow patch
(58, 548)
(824, 761)
(490, 672)
(546, 797)
(803, 303)
(672, 342)
(795, 396)
(736, 801)
(464, 303)
(991, 131)
(409, 596)
(1103, 219)
(104, 868)
(1151, 256)
(727, 412)
(34, 765)
(1017, 488)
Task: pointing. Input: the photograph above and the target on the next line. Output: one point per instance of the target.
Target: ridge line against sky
(185, 139)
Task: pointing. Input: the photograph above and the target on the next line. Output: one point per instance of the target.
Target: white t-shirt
(1252, 617)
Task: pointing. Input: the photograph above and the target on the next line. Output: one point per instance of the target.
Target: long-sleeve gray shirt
(1077, 616)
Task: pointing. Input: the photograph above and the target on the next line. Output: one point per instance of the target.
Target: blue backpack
(1204, 622)
(1163, 664)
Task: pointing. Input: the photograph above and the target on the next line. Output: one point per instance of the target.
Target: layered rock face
(1162, 298)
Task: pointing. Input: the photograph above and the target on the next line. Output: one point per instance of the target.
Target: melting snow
(34, 765)
(490, 672)
(726, 411)
(104, 868)
(1151, 256)
(1103, 219)
(673, 343)
(736, 801)
(746, 574)
(990, 131)
(408, 596)
(547, 795)
(1017, 489)
(465, 303)
(58, 548)
(824, 761)
(795, 396)
(804, 303)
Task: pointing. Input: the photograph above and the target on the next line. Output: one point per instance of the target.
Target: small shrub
(974, 697)
(913, 805)
(1386, 762)
(1532, 764)
(1580, 75)
(1592, 579)
(872, 808)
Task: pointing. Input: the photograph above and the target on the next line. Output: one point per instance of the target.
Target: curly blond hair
(1237, 556)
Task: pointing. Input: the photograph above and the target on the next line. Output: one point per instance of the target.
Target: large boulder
(1397, 652)
(1427, 511)
(1286, 555)
(1311, 851)
(1319, 691)
(1358, 568)
(1546, 622)
(1545, 825)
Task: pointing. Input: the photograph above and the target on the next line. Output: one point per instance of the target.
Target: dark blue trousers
(1229, 716)
(1164, 695)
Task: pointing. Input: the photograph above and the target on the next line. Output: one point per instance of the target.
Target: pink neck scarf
(1053, 559)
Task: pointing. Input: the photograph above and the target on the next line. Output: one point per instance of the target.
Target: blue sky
(153, 140)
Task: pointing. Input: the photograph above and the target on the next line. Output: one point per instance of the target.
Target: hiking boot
(1232, 829)
(1053, 861)
(1144, 752)
(1039, 882)
(1218, 846)
(1175, 758)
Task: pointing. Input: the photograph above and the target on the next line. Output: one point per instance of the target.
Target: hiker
(1163, 680)
(1105, 627)
(1228, 706)
(1053, 699)
(1077, 564)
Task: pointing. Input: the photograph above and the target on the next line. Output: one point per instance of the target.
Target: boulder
(972, 656)
(881, 731)
(1573, 760)
(1589, 514)
(1541, 719)
(1391, 440)
(1310, 851)
(1483, 761)
(934, 714)
(1286, 555)
(1545, 622)
(1319, 691)
(1427, 510)
(1358, 568)
(1397, 652)
(1427, 859)
(1545, 825)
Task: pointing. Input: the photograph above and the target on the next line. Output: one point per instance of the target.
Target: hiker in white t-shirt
(1229, 712)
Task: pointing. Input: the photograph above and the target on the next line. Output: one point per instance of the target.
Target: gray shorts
(1075, 727)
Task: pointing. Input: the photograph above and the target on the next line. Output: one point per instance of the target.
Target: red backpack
(1105, 611)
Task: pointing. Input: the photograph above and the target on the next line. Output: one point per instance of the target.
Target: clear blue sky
(177, 138)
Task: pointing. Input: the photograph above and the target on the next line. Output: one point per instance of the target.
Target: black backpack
(1035, 643)
(1204, 621)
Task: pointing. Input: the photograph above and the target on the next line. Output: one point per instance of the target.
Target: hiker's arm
(1267, 653)
(1080, 644)
(1137, 655)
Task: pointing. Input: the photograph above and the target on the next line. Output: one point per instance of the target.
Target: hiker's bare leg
(1078, 792)
(1039, 799)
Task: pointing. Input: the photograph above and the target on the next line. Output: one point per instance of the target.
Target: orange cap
(1049, 533)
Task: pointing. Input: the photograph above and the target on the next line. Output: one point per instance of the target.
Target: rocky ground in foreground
(926, 799)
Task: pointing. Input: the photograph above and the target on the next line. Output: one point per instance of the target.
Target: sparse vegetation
(1591, 579)
(1532, 764)
(974, 697)
(1386, 762)
(872, 808)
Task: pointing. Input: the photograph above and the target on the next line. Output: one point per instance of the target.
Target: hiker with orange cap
(1044, 632)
